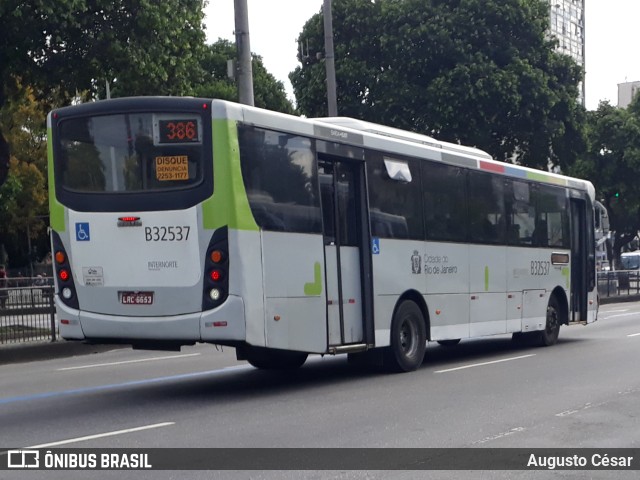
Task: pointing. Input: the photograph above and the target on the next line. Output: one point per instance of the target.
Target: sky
(612, 39)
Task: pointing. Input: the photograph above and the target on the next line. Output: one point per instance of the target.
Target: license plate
(136, 298)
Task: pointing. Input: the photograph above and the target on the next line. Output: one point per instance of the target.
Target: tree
(269, 93)
(23, 197)
(138, 46)
(478, 72)
(611, 163)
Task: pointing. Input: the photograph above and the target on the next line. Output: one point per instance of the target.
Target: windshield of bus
(630, 262)
(130, 152)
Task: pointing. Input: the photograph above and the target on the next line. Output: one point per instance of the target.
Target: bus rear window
(130, 152)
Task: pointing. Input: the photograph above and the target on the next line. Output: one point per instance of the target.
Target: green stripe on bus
(541, 177)
(315, 288)
(56, 210)
(566, 273)
(486, 278)
(229, 204)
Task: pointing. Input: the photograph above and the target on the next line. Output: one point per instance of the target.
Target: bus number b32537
(172, 233)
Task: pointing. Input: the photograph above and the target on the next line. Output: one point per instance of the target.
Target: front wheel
(408, 339)
(549, 336)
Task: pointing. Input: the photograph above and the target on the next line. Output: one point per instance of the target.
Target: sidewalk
(46, 350)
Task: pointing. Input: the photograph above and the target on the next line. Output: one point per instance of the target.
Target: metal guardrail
(620, 283)
(27, 313)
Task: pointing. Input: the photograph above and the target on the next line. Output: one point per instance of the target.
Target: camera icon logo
(23, 459)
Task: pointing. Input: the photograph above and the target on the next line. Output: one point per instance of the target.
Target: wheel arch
(563, 303)
(418, 299)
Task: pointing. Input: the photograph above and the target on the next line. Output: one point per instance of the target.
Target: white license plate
(136, 298)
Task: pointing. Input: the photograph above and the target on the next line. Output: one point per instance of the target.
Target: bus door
(346, 237)
(580, 226)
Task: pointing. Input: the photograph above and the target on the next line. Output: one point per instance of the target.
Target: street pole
(245, 71)
(329, 61)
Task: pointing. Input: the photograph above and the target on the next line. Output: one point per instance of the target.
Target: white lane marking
(617, 310)
(586, 406)
(621, 315)
(633, 335)
(151, 359)
(485, 363)
(499, 435)
(102, 435)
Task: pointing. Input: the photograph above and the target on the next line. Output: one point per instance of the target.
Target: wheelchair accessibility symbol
(375, 246)
(82, 232)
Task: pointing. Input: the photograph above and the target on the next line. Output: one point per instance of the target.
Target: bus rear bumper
(225, 323)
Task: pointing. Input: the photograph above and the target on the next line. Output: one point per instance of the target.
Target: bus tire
(272, 359)
(549, 336)
(408, 339)
(449, 343)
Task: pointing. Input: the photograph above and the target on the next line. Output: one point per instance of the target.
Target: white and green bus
(184, 220)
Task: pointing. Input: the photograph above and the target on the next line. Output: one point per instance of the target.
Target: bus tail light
(216, 256)
(63, 274)
(216, 275)
(216, 270)
(65, 285)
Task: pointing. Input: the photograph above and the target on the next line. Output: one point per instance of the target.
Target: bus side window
(552, 217)
(486, 208)
(395, 206)
(520, 212)
(280, 177)
(445, 202)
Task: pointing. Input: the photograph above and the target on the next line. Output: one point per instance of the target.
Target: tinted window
(280, 179)
(631, 262)
(395, 206)
(130, 152)
(444, 202)
(552, 218)
(521, 211)
(486, 211)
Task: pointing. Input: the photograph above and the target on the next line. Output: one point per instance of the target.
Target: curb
(31, 352)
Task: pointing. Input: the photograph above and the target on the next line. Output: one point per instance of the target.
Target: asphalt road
(583, 392)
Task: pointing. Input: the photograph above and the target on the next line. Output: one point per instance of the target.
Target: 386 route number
(173, 233)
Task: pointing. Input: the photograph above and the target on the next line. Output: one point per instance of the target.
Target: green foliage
(478, 72)
(612, 163)
(268, 92)
(139, 46)
(23, 197)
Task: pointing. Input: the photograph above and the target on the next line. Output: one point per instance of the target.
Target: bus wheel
(449, 343)
(549, 336)
(408, 339)
(272, 359)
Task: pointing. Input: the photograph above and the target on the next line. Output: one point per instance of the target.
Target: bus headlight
(215, 294)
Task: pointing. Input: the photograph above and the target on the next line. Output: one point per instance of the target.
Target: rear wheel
(408, 339)
(272, 359)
